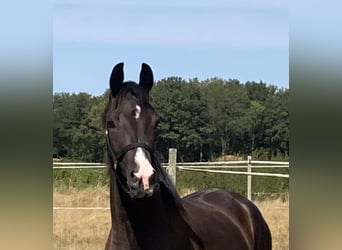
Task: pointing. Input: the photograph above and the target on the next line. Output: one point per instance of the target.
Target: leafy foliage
(202, 119)
(77, 133)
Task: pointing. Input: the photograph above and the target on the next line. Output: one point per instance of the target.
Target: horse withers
(146, 211)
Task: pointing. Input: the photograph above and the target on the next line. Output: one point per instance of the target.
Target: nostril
(135, 179)
(152, 178)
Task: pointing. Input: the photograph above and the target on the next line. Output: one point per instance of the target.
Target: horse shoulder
(227, 214)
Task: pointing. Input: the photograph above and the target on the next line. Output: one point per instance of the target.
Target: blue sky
(245, 40)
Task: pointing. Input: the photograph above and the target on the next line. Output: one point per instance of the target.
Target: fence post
(171, 169)
(249, 178)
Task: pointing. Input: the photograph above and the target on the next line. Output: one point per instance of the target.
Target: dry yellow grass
(81, 229)
(88, 229)
(276, 214)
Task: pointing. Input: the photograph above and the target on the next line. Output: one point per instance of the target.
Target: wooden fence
(212, 167)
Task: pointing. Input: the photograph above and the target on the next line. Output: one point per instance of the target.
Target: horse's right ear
(116, 79)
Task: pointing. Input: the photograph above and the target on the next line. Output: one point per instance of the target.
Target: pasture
(87, 188)
(88, 229)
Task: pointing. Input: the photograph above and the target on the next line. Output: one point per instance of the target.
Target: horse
(146, 211)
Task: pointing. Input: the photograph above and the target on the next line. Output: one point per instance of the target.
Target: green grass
(263, 187)
(64, 179)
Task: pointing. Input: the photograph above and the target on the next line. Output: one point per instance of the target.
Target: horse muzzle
(144, 193)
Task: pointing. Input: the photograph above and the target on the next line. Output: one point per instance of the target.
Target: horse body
(146, 210)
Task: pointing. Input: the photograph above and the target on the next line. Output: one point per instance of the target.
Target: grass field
(88, 229)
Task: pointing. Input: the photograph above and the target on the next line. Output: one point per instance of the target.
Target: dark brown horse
(147, 212)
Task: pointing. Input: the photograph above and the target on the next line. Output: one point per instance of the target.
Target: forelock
(129, 88)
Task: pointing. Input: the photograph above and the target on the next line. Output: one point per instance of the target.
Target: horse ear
(146, 77)
(116, 79)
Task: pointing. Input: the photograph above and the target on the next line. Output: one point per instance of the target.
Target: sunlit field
(88, 229)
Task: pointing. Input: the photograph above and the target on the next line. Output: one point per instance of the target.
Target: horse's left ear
(146, 77)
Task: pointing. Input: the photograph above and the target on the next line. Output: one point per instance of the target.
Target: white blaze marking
(145, 169)
(137, 112)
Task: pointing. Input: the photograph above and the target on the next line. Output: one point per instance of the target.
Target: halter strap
(118, 155)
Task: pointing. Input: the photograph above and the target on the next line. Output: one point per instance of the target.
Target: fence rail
(211, 167)
(172, 166)
(233, 172)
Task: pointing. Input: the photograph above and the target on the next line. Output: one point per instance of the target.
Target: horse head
(130, 122)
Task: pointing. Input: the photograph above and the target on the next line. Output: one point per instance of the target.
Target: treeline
(202, 119)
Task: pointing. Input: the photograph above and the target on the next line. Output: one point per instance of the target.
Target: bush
(79, 178)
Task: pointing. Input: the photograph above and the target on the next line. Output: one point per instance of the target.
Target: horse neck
(151, 223)
(157, 221)
(121, 234)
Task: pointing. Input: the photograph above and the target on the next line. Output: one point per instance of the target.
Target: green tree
(77, 131)
(257, 91)
(256, 115)
(228, 104)
(183, 117)
(202, 119)
(276, 122)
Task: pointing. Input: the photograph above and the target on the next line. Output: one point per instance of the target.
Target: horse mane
(172, 197)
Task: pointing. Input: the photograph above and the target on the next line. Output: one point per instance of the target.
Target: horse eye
(110, 124)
